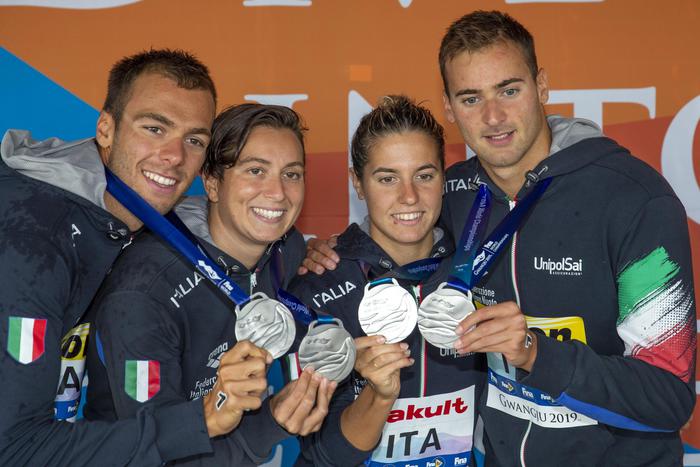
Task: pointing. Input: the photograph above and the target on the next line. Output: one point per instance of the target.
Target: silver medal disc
(329, 349)
(267, 323)
(441, 312)
(388, 310)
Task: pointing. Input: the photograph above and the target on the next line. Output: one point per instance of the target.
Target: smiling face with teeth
(499, 108)
(402, 186)
(260, 197)
(158, 146)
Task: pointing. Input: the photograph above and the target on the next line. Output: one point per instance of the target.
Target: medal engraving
(441, 312)
(329, 349)
(388, 310)
(267, 323)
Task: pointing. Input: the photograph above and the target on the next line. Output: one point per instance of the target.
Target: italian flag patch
(142, 379)
(25, 339)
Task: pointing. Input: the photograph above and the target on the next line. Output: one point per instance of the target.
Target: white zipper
(417, 290)
(514, 282)
(253, 281)
(522, 444)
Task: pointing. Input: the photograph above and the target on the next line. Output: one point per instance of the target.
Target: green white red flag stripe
(142, 379)
(25, 340)
(656, 319)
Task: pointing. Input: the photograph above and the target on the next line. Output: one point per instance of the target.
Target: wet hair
(481, 29)
(232, 128)
(394, 114)
(180, 66)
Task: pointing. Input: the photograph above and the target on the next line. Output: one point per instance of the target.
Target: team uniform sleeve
(34, 290)
(134, 330)
(328, 446)
(257, 435)
(651, 387)
(294, 252)
(141, 349)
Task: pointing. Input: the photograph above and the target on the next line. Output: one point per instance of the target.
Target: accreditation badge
(441, 312)
(70, 383)
(389, 310)
(267, 323)
(329, 349)
(428, 431)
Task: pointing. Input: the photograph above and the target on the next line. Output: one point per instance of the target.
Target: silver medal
(441, 312)
(267, 323)
(329, 349)
(388, 310)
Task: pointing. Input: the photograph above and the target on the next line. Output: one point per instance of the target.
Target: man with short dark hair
(588, 318)
(60, 232)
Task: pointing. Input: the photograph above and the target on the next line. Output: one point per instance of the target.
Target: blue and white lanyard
(470, 264)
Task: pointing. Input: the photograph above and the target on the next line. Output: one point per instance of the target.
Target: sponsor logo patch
(559, 267)
(214, 359)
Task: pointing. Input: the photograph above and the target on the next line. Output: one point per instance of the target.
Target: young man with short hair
(589, 315)
(60, 232)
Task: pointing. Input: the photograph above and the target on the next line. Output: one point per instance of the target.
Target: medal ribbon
(472, 234)
(301, 312)
(494, 244)
(415, 271)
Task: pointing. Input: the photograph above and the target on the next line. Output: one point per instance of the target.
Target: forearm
(154, 436)
(258, 433)
(616, 390)
(362, 421)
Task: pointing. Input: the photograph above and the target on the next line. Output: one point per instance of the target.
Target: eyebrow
(260, 160)
(157, 117)
(501, 85)
(386, 169)
(170, 124)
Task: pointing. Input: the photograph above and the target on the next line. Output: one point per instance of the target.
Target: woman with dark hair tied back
(156, 308)
(406, 400)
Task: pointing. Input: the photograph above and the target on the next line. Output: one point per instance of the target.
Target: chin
(269, 237)
(410, 239)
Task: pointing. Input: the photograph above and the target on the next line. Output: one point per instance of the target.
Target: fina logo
(561, 267)
(437, 462)
(209, 270)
